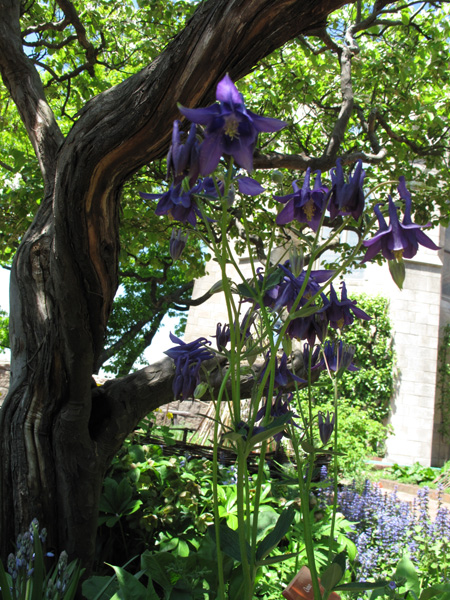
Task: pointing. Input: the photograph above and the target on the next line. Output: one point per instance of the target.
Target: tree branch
(25, 87)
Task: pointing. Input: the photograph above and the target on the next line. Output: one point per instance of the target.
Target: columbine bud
(177, 243)
(326, 426)
(200, 390)
(397, 271)
(217, 287)
(277, 177)
(296, 261)
(231, 196)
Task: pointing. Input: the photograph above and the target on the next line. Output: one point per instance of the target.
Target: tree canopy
(382, 98)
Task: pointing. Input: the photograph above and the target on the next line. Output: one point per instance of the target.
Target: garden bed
(409, 488)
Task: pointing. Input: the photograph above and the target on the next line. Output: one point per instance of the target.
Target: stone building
(418, 314)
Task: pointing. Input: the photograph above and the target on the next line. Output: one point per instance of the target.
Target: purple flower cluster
(385, 529)
(188, 359)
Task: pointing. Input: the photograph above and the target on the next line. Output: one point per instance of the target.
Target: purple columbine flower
(282, 374)
(178, 203)
(222, 336)
(326, 426)
(290, 287)
(399, 240)
(339, 356)
(340, 314)
(188, 358)
(177, 243)
(347, 198)
(182, 159)
(229, 128)
(280, 407)
(305, 205)
(246, 185)
(307, 328)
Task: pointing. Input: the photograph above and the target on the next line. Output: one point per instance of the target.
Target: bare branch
(91, 52)
(52, 45)
(59, 26)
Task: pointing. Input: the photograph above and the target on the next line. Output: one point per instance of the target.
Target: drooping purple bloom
(188, 358)
(222, 336)
(279, 407)
(196, 350)
(282, 374)
(290, 287)
(229, 128)
(341, 313)
(339, 356)
(177, 243)
(347, 197)
(326, 426)
(246, 185)
(398, 240)
(305, 205)
(177, 203)
(307, 328)
(182, 159)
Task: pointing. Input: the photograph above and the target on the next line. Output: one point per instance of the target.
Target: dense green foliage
(163, 506)
(370, 388)
(4, 329)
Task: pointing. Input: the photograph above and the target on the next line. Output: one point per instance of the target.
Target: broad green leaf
(272, 539)
(229, 541)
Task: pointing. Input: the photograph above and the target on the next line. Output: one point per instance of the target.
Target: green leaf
(272, 539)
(331, 576)
(406, 571)
(130, 587)
(229, 541)
(360, 586)
(440, 590)
(274, 427)
(157, 567)
(39, 568)
(96, 587)
(5, 582)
